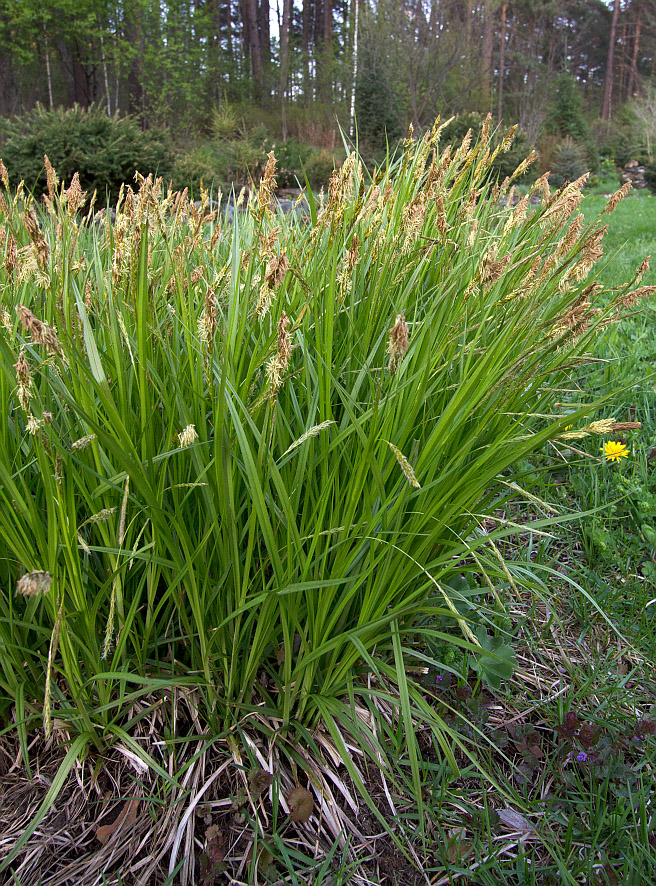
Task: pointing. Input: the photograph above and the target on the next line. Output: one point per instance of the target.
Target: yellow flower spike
(614, 450)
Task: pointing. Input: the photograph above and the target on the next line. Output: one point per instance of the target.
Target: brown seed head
(51, 178)
(353, 252)
(397, 346)
(267, 187)
(33, 584)
(485, 130)
(275, 271)
(508, 139)
(41, 249)
(3, 175)
(196, 274)
(642, 270)
(284, 341)
(22, 370)
(617, 197)
(628, 300)
(210, 321)
(541, 186)
(75, 196)
(11, 255)
(41, 333)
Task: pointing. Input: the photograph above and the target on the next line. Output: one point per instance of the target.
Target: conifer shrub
(104, 151)
(570, 163)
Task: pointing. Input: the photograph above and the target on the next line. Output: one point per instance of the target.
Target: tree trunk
(306, 49)
(134, 38)
(356, 4)
(623, 60)
(633, 72)
(284, 59)
(488, 37)
(502, 59)
(325, 41)
(610, 63)
(48, 77)
(264, 33)
(252, 44)
(105, 75)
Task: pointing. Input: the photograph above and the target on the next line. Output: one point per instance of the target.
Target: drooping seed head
(398, 343)
(33, 584)
(51, 178)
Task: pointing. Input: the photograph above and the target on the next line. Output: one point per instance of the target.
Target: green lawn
(571, 736)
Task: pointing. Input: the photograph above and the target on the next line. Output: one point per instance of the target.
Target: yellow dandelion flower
(614, 450)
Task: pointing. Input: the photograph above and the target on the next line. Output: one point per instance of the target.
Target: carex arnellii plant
(247, 453)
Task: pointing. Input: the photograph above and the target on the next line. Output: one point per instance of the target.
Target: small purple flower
(439, 678)
(637, 738)
(582, 756)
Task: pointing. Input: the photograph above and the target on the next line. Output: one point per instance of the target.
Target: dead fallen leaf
(126, 817)
(515, 821)
(301, 805)
(259, 781)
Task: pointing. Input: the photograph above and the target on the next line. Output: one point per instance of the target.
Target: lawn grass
(574, 727)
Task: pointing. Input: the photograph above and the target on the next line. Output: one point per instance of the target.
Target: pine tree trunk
(307, 92)
(284, 59)
(48, 77)
(610, 70)
(633, 73)
(252, 44)
(488, 38)
(502, 60)
(356, 4)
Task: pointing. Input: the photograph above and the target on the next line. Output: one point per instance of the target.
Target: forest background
(219, 82)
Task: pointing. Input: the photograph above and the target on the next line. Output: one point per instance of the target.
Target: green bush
(377, 103)
(650, 177)
(206, 164)
(292, 156)
(105, 151)
(319, 168)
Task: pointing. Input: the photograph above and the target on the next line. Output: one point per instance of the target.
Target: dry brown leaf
(301, 805)
(259, 781)
(126, 817)
(515, 821)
